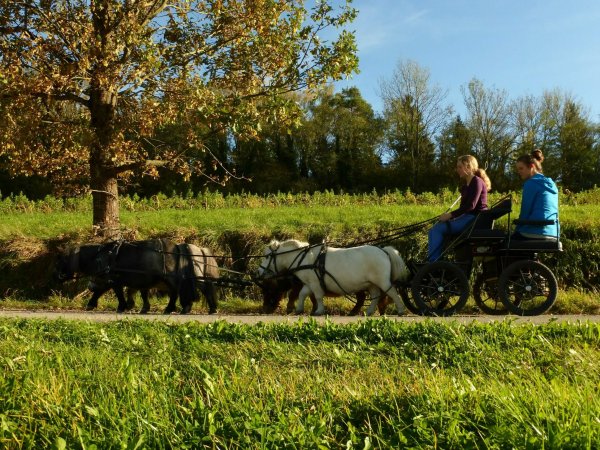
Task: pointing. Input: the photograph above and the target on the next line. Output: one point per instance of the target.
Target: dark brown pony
(206, 274)
(274, 289)
(141, 265)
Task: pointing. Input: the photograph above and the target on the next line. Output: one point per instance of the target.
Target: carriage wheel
(408, 301)
(440, 289)
(527, 288)
(485, 294)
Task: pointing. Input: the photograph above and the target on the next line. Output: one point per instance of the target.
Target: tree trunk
(103, 174)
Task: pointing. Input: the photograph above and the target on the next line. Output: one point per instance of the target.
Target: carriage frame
(508, 274)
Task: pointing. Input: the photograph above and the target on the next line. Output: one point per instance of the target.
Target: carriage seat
(547, 245)
(482, 228)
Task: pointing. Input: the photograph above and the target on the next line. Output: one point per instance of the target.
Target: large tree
(130, 67)
(414, 111)
(490, 120)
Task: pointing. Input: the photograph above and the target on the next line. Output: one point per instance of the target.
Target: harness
(318, 266)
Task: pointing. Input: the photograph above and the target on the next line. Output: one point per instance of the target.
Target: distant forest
(337, 142)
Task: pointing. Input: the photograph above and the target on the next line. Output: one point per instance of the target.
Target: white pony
(338, 270)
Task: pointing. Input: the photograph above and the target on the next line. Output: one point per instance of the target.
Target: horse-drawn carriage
(508, 275)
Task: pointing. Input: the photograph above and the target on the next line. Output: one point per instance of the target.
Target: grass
(375, 384)
(570, 301)
(267, 220)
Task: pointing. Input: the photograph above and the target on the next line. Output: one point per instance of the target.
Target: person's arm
(471, 197)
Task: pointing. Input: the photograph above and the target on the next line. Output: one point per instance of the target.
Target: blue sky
(522, 46)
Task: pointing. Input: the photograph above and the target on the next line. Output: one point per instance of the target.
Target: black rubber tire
(408, 301)
(487, 298)
(440, 289)
(527, 288)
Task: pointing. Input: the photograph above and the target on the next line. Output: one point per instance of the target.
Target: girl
(540, 199)
(473, 199)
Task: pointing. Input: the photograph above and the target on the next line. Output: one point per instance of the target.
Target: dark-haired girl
(539, 201)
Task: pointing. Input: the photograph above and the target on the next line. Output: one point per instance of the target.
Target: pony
(274, 289)
(141, 265)
(206, 273)
(341, 271)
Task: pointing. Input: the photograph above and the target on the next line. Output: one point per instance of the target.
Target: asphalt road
(254, 319)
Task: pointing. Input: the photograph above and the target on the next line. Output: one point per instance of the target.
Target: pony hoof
(90, 307)
(212, 311)
(143, 311)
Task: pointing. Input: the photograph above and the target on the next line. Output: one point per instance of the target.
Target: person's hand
(445, 217)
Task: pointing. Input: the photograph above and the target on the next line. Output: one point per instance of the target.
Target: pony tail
(483, 175)
(399, 268)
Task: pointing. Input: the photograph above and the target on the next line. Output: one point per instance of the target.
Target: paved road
(253, 319)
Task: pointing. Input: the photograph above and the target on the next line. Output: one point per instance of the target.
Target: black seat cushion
(535, 244)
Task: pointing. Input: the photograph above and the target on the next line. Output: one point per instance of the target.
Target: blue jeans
(442, 229)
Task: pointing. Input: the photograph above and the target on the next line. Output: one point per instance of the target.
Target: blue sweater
(540, 202)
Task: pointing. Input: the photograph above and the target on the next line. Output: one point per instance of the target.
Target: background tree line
(337, 142)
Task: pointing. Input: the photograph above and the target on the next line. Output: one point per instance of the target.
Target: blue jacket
(540, 202)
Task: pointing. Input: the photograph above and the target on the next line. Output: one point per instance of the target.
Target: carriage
(508, 274)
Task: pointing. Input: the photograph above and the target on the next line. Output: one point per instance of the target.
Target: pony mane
(292, 243)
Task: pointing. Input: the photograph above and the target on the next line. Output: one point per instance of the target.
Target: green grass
(337, 221)
(570, 301)
(374, 384)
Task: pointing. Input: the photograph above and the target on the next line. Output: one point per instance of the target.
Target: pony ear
(274, 245)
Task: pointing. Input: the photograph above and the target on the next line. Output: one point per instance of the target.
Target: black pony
(206, 274)
(155, 263)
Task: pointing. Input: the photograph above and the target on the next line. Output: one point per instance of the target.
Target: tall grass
(374, 384)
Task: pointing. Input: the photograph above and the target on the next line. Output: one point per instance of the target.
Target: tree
(338, 142)
(490, 120)
(454, 141)
(579, 161)
(414, 113)
(129, 67)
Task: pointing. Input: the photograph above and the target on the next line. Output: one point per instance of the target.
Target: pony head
(66, 265)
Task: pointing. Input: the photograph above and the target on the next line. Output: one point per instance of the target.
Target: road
(254, 319)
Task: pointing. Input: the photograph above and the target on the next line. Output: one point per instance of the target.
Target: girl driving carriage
(473, 199)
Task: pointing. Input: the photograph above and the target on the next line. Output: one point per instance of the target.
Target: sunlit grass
(377, 383)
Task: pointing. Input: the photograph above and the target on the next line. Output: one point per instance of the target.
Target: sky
(522, 46)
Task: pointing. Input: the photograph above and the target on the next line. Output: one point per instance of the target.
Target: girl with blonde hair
(473, 199)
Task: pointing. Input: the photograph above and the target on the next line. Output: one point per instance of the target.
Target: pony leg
(146, 306)
(304, 292)
(172, 306)
(292, 297)
(130, 300)
(93, 302)
(392, 292)
(360, 301)
(122, 306)
(375, 294)
(320, 306)
(210, 292)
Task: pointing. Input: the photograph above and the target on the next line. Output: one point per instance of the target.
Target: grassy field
(376, 384)
(339, 222)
